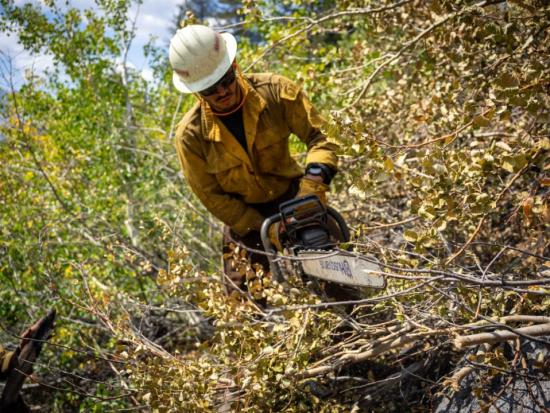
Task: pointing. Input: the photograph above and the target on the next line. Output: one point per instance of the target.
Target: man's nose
(222, 90)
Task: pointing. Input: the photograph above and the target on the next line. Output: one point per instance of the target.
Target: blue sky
(154, 18)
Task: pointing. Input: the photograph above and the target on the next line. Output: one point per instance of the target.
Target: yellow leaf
(507, 80)
(410, 235)
(504, 146)
(508, 166)
(481, 121)
(295, 322)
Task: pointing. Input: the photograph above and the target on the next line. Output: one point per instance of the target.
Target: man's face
(225, 94)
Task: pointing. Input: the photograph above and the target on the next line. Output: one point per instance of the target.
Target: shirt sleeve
(306, 123)
(228, 209)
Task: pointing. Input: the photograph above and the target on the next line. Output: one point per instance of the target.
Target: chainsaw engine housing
(313, 235)
(307, 224)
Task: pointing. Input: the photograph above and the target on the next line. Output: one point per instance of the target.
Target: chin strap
(240, 105)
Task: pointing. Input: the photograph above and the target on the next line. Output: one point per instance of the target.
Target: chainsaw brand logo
(339, 266)
(343, 268)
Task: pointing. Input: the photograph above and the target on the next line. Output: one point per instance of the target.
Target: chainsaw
(310, 235)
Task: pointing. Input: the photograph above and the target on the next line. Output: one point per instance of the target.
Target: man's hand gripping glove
(312, 187)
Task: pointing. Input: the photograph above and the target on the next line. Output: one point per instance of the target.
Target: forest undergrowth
(441, 111)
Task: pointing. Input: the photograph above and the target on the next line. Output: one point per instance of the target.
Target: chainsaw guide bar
(342, 267)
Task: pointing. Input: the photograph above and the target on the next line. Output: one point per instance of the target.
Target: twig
(482, 220)
(456, 379)
(335, 15)
(483, 275)
(173, 123)
(393, 224)
(407, 46)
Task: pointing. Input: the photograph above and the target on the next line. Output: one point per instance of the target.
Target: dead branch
(456, 379)
(383, 347)
(500, 335)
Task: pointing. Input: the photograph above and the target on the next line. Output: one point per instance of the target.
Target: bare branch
(321, 20)
(500, 335)
(409, 45)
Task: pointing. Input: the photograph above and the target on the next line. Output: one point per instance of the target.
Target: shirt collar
(254, 101)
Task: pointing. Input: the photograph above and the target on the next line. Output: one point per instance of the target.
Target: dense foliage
(441, 109)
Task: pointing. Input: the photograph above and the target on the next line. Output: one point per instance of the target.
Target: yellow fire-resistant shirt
(226, 178)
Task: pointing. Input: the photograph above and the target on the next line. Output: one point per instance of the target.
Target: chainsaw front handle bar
(264, 232)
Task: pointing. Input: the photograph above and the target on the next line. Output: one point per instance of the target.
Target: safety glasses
(225, 81)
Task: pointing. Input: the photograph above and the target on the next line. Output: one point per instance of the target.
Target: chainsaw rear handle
(268, 245)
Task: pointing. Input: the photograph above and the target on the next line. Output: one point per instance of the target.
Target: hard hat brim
(231, 46)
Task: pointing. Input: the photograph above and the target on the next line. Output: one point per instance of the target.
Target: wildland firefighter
(233, 145)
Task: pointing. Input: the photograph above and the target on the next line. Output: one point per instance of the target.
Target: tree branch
(500, 335)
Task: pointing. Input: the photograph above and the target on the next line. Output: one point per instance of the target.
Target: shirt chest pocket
(228, 171)
(271, 147)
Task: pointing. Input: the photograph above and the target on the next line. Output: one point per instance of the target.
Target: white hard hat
(200, 57)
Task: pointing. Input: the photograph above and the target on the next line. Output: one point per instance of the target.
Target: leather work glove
(274, 231)
(309, 186)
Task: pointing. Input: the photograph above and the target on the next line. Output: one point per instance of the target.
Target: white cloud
(16, 61)
(147, 75)
(155, 19)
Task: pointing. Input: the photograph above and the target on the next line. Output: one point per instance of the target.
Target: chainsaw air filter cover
(305, 224)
